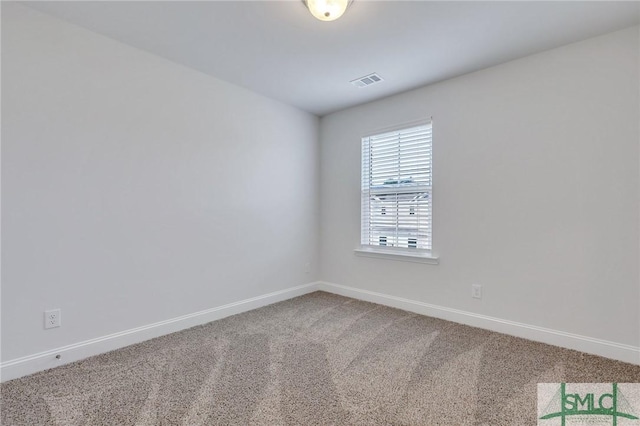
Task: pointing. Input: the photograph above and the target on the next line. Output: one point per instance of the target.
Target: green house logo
(588, 404)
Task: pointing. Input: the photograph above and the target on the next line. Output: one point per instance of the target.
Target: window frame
(410, 254)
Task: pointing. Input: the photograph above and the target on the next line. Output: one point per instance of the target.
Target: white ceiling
(278, 49)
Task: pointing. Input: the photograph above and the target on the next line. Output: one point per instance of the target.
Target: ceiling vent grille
(367, 80)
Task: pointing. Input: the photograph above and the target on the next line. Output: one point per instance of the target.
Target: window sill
(405, 256)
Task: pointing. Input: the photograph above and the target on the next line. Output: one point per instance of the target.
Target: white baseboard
(617, 351)
(44, 360)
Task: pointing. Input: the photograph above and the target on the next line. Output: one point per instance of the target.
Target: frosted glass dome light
(327, 10)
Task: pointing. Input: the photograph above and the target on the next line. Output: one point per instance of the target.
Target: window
(396, 191)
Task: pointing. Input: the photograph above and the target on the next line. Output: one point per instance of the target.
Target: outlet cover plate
(52, 318)
(476, 291)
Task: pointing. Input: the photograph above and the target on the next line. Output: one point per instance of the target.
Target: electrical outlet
(476, 291)
(307, 267)
(52, 318)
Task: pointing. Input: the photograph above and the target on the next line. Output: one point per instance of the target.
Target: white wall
(135, 190)
(535, 191)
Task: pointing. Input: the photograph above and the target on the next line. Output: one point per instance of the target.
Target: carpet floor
(319, 359)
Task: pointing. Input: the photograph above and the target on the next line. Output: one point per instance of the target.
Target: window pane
(396, 189)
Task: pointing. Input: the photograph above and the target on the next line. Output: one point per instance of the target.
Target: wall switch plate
(52, 318)
(476, 291)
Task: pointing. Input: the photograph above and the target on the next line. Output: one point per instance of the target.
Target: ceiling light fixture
(327, 10)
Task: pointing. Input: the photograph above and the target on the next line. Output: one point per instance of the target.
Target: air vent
(367, 80)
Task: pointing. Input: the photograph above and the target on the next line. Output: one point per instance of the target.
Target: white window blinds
(396, 189)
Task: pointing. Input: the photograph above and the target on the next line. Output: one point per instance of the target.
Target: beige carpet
(319, 359)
